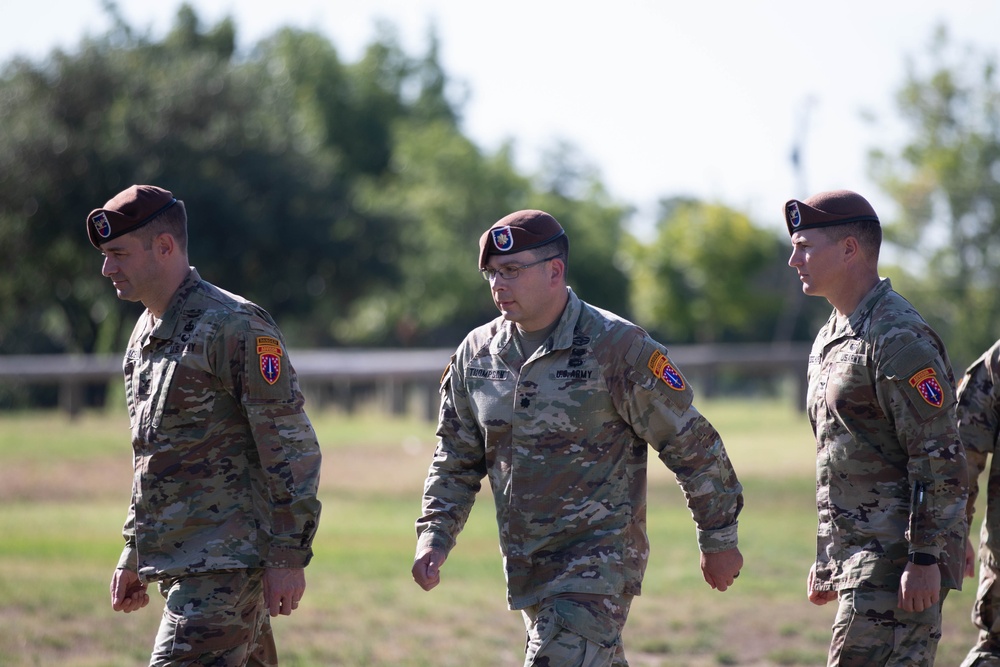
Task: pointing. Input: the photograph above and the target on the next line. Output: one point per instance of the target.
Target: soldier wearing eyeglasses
(557, 403)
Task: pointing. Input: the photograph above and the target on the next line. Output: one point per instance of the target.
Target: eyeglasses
(509, 272)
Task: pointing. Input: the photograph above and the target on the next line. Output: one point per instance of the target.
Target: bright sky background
(696, 97)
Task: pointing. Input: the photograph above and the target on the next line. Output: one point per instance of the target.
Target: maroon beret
(826, 209)
(521, 230)
(126, 212)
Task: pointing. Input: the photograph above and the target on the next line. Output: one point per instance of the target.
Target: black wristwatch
(923, 559)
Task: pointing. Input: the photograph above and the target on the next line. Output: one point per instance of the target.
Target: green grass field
(64, 490)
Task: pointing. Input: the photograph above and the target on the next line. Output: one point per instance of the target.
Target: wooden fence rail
(400, 381)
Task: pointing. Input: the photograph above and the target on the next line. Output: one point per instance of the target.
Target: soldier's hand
(127, 592)
(283, 589)
(970, 559)
(427, 567)
(721, 569)
(815, 596)
(919, 587)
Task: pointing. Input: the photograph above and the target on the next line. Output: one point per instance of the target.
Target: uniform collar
(166, 326)
(562, 335)
(862, 313)
(857, 323)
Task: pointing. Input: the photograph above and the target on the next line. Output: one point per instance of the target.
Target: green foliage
(946, 181)
(446, 193)
(594, 223)
(707, 277)
(267, 149)
(343, 197)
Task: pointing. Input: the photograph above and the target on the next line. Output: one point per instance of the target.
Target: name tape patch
(486, 373)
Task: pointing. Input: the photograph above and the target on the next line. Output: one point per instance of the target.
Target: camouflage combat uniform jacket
(226, 461)
(891, 471)
(979, 425)
(563, 438)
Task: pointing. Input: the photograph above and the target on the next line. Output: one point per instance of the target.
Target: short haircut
(867, 232)
(173, 221)
(558, 247)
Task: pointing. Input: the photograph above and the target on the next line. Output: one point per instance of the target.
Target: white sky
(700, 97)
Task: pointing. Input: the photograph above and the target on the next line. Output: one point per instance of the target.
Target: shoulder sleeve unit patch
(269, 351)
(926, 383)
(661, 367)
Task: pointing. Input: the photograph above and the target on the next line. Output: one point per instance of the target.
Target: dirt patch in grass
(398, 470)
(65, 481)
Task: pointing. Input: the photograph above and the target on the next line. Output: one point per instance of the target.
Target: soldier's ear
(852, 249)
(558, 268)
(164, 245)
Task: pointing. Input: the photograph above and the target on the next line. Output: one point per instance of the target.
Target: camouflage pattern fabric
(981, 660)
(563, 438)
(986, 617)
(870, 629)
(891, 471)
(978, 414)
(216, 619)
(574, 629)
(226, 461)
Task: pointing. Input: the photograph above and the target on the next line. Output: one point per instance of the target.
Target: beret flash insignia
(101, 225)
(794, 217)
(502, 238)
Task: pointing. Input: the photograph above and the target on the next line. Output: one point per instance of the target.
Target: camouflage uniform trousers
(216, 619)
(576, 630)
(870, 629)
(986, 617)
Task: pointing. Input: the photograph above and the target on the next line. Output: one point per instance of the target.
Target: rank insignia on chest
(926, 383)
(269, 351)
(664, 370)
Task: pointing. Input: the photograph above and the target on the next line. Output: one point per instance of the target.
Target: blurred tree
(343, 197)
(708, 276)
(571, 190)
(266, 152)
(445, 192)
(946, 182)
(448, 192)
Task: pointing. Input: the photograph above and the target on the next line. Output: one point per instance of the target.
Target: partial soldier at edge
(979, 426)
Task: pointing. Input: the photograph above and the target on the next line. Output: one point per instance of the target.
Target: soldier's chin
(125, 296)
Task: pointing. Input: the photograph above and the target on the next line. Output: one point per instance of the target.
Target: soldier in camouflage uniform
(555, 401)
(891, 471)
(979, 426)
(224, 505)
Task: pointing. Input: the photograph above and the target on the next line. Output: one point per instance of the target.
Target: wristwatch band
(923, 559)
